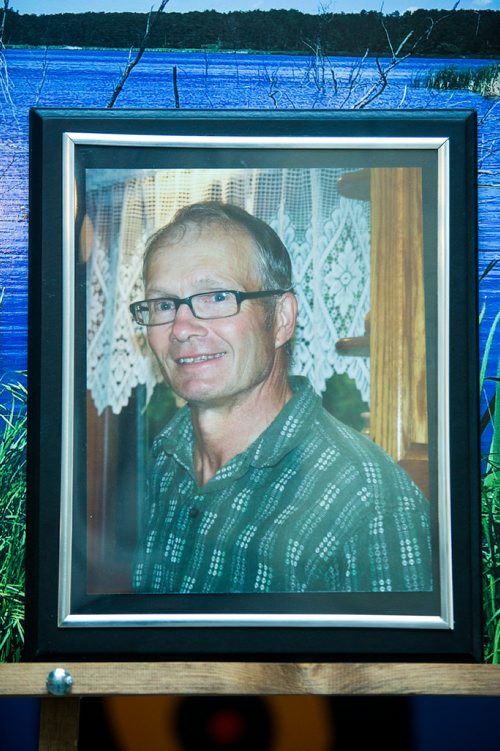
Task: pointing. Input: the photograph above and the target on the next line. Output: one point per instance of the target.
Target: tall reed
(490, 492)
(484, 81)
(13, 437)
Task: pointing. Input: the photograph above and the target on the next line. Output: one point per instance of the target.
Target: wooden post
(59, 724)
(398, 400)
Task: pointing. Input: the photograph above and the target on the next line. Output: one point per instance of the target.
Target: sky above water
(306, 6)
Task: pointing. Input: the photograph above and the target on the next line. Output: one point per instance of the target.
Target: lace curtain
(327, 236)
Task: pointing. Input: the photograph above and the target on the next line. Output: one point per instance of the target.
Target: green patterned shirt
(311, 505)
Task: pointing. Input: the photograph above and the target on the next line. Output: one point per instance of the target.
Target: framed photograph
(253, 385)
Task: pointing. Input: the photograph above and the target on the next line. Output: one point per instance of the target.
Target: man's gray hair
(273, 260)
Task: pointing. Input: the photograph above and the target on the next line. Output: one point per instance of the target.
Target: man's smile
(198, 358)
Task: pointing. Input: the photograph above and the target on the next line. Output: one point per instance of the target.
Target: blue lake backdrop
(86, 78)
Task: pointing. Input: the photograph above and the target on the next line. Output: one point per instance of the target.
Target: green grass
(484, 81)
(12, 521)
(490, 499)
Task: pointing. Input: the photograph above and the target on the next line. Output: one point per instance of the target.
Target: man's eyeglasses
(222, 303)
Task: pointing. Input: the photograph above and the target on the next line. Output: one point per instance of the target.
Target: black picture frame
(68, 615)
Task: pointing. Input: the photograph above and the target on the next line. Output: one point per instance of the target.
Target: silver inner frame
(68, 620)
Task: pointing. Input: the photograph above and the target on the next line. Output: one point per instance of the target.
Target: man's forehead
(231, 250)
(208, 230)
(213, 239)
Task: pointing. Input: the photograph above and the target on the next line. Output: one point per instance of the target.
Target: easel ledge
(59, 719)
(248, 678)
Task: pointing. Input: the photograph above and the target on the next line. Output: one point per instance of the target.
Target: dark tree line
(459, 32)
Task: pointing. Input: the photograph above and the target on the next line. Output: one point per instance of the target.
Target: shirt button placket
(194, 510)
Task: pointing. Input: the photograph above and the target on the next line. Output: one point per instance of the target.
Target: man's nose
(185, 323)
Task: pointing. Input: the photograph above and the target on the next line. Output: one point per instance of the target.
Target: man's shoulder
(353, 456)
(327, 430)
(321, 429)
(331, 429)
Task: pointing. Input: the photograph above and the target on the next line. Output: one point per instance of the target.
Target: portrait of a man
(253, 486)
(247, 358)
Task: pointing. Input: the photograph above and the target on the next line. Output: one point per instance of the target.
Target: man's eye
(162, 306)
(220, 296)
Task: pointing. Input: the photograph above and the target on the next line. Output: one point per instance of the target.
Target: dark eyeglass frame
(177, 302)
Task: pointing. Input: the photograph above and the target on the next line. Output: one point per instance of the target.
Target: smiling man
(254, 487)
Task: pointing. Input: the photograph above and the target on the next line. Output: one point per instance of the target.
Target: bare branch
(397, 58)
(4, 16)
(41, 84)
(353, 78)
(317, 65)
(273, 82)
(388, 38)
(5, 83)
(403, 43)
(150, 23)
(176, 89)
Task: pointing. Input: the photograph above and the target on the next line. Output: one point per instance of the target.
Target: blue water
(86, 78)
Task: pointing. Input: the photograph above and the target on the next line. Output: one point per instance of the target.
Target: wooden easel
(60, 716)
(395, 193)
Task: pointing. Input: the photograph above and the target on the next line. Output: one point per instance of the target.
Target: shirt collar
(288, 428)
(285, 432)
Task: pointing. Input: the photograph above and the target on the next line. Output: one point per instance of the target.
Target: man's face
(211, 362)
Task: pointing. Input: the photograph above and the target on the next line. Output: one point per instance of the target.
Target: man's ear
(285, 319)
